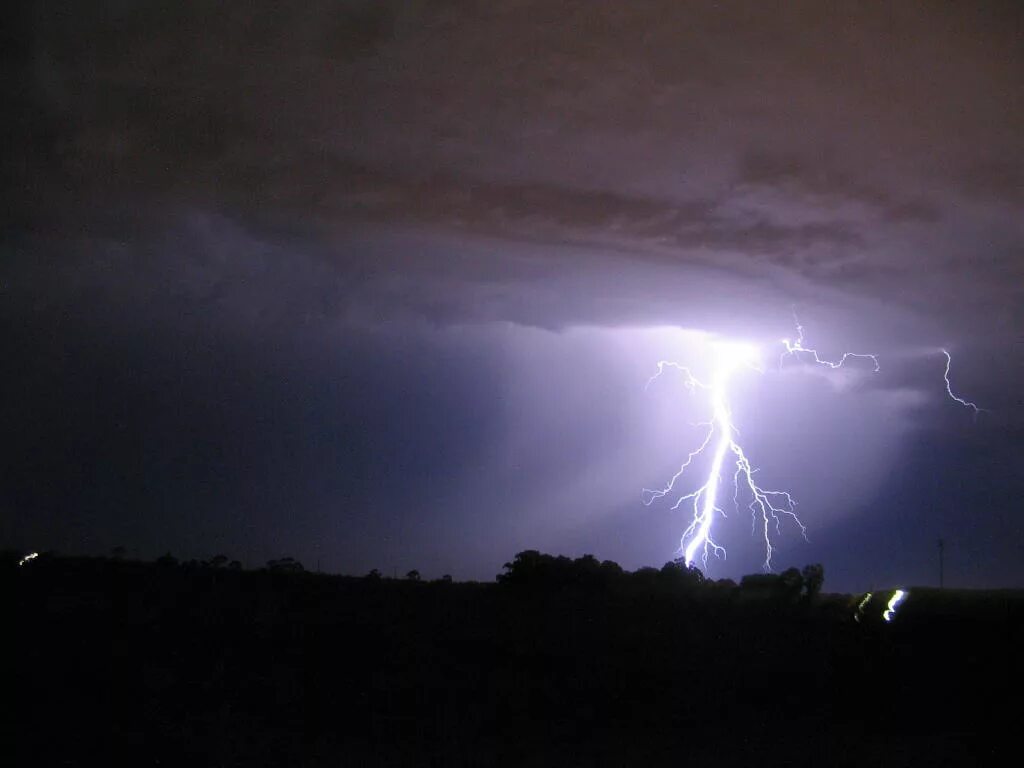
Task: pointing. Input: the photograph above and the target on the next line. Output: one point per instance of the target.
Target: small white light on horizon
(861, 606)
(26, 558)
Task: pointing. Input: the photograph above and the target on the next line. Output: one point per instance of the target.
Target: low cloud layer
(869, 150)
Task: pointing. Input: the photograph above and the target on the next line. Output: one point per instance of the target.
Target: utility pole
(942, 552)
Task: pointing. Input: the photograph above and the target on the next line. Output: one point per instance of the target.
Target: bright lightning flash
(795, 348)
(767, 507)
(949, 388)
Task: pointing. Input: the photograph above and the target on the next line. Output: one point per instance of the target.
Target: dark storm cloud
(836, 142)
(279, 195)
(818, 178)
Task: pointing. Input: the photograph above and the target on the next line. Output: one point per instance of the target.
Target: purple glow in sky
(379, 284)
(769, 508)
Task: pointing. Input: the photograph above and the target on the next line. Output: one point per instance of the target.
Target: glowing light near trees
(861, 606)
(894, 602)
(769, 508)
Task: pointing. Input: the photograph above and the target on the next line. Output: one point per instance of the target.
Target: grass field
(165, 665)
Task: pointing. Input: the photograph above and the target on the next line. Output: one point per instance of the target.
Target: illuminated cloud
(311, 259)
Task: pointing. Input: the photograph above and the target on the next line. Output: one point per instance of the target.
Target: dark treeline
(558, 662)
(532, 570)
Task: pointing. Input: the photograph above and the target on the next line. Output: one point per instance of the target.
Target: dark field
(121, 662)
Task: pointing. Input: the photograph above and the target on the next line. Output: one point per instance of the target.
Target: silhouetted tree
(373, 575)
(447, 578)
(645, 578)
(167, 560)
(761, 584)
(218, 561)
(527, 567)
(413, 575)
(586, 567)
(285, 564)
(118, 552)
(612, 569)
(679, 576)
(532, 570)
(235, 565)
(814, 578)
(791, 583)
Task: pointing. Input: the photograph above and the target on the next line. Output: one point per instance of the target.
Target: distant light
(897, 597)
(26, 558)
(861, 606)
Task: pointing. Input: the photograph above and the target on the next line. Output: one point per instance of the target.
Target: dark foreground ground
(168, 665)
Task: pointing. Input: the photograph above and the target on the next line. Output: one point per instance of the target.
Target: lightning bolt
(949, 388)
(768, 507)
(796, 347)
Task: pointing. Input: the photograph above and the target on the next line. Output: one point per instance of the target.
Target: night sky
(380, 284)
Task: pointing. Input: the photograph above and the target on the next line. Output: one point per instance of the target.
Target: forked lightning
(769, 508)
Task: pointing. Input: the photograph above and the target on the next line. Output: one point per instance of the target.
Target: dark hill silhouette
(558, 662)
